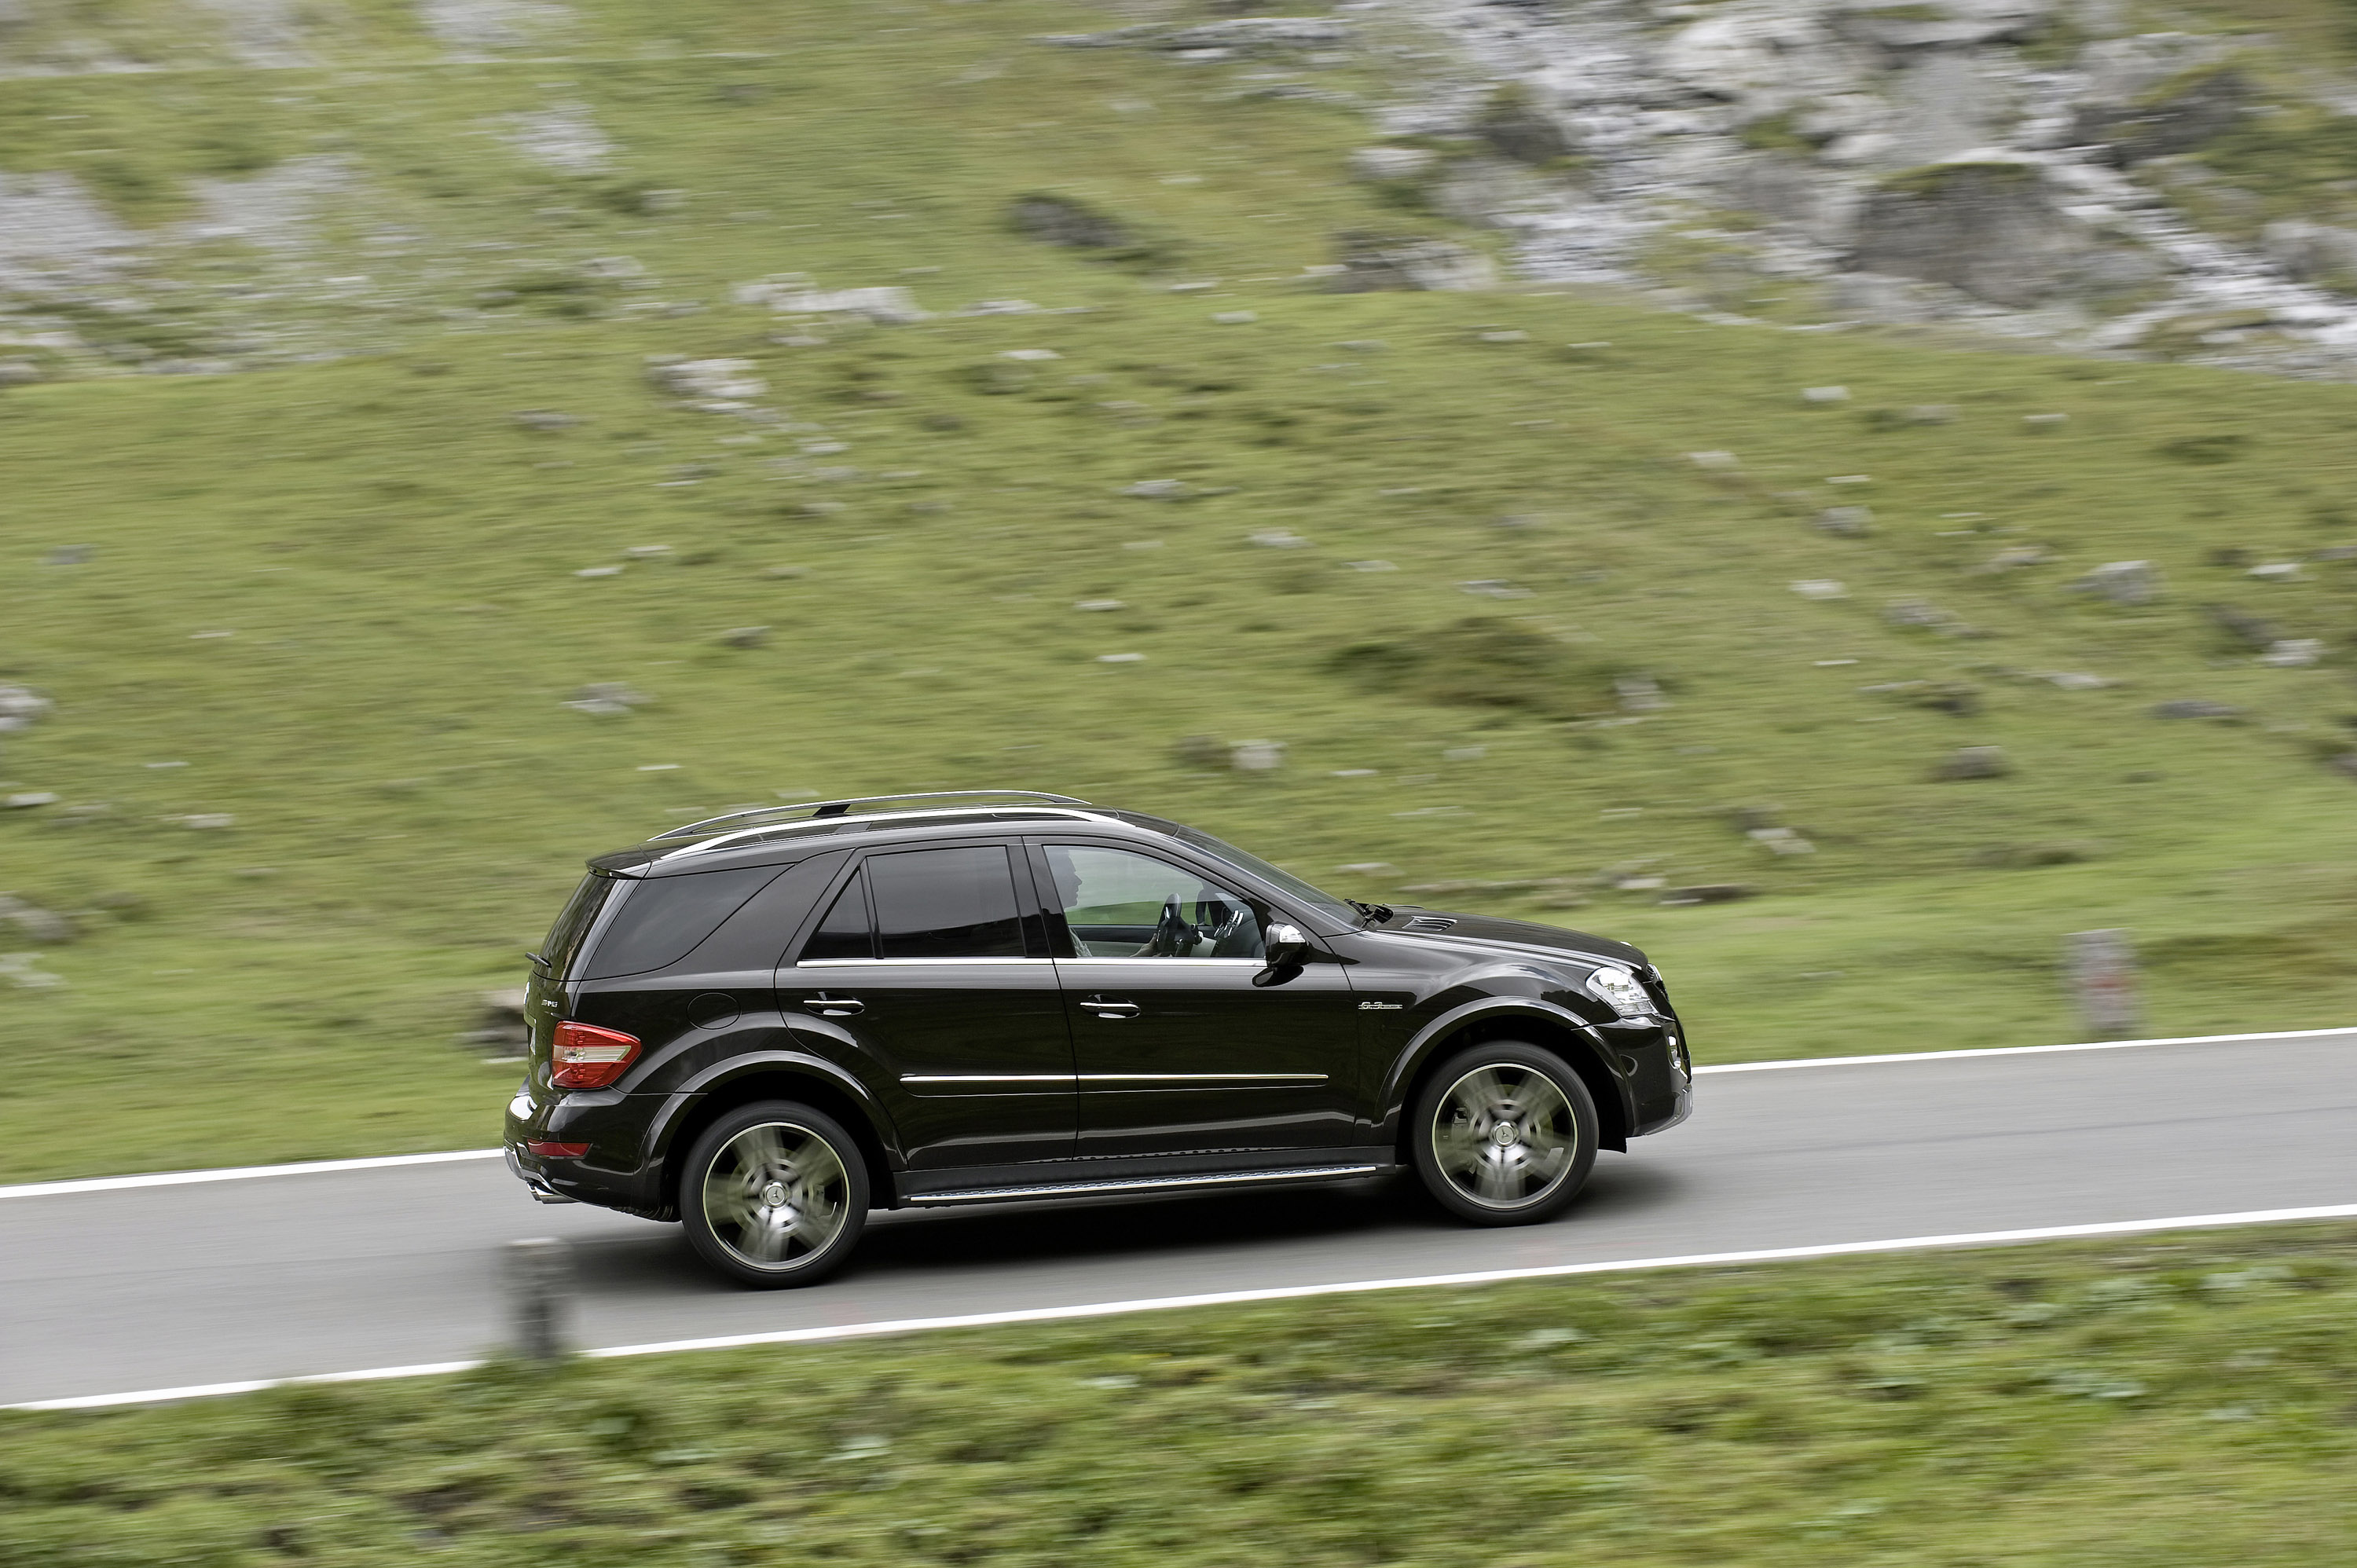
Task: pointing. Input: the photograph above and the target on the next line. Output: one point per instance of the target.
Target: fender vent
(1429, 923)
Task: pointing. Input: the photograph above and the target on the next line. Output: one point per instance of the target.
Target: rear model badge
(1379, 1006)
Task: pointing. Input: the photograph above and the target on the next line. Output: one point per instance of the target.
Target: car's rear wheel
(1504, 1133)
(774, 1194)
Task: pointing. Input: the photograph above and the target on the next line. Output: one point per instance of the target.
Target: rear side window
(845, 933)
(946, 903)
(665, 916)
(580, 913)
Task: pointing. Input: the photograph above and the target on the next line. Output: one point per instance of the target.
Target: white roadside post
(540, 1297)
(2103, 974)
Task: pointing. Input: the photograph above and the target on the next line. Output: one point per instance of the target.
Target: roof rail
(842, 808)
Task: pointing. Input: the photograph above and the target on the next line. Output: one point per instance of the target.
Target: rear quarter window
(573, 923)
(663, 919)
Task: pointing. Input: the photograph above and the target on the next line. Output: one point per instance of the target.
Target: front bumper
(1650, 1054)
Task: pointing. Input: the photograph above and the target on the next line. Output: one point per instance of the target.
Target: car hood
(1523, 935)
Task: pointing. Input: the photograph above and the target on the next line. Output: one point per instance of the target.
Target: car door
(1176, 1049)
(938, 968)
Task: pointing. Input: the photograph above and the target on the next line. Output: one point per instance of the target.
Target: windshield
(1342, 909)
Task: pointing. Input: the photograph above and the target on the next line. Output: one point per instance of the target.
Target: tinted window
(663, 917)
(1120, 904)
(580, 913)
(845, 932)
(755, 936)
(947, 903)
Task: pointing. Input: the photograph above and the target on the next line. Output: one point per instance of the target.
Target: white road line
(2017, 1051)
(240, 1173)
(1240, 1297)
(317, 1167)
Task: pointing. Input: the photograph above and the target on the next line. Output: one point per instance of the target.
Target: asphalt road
(289, 1275)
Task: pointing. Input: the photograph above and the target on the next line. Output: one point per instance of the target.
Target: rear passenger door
(937, 966)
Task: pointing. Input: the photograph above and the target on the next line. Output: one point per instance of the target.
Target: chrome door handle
(827, 1007)
(1110, 1012)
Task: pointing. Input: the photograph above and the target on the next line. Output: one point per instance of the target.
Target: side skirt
(1143, 1184)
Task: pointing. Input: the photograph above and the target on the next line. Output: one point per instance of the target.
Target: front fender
(1427, 1040)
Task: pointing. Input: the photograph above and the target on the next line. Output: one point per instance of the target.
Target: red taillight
(558, 1151)
(588, 1056)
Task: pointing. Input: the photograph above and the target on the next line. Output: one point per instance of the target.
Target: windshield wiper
(1375, 913)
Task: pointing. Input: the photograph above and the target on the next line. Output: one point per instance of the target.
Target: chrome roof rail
(843, 807)
(767, 832)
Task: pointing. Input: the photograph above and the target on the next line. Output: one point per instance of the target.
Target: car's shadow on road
(905, 1244)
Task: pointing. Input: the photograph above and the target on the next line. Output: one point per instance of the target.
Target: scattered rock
(1846, 521)
(1707, 893)
(1516, 126)
(1822, 396)
(746, 636)
(2277, 572)
(2251, 631)
(1256, 756)
(1972, 762)
(2293, 653)
(21, 970)
(1781, 840)
(1370, 262)
(2028, 856)
(1066, 221)
(705, 381)
(1989, 227)
(1200, 751)
(21, 372)
(1382, 165)
(208, 821)
(1157, 490)
(1277, 539)
(2345, 764)
(29, 800)
(2041, 424)
(1640, 693)
(500, 1024)
(1819, 588)
(2127, 583)
(35, 923)
(790, 293)
(1919, 615)
(20, 706)
(2178, 118)
(607, 698)
(1235, 317)
(544, 419)
(2195, 708)
(72, 554)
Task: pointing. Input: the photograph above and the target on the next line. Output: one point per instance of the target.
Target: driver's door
(1177, 1051)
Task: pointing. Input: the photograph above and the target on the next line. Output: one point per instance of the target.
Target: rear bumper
(614, 1173)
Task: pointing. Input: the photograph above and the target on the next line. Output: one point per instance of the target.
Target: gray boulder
(1945, 24)
(1972, 762)
(2177, 117)
(1062, 220)
(1380, 164)
(2313, 252)
(1376, 262)
(1989, 227)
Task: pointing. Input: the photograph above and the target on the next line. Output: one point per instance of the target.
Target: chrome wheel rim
(1503, 1136)
(776, 1195)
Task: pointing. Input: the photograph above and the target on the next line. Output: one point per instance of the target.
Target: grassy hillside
(341, 604)
(2185, 1401)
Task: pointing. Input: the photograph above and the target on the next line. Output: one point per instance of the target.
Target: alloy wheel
(775, 1195)
(1504, 1135)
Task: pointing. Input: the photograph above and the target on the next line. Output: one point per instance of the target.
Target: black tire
(1524, 1176)
(776, 1210)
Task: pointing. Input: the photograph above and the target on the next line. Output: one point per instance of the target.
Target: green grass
(2187, 1401)
(395, 555)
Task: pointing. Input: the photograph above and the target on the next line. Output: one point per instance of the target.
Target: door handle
(1110, 1012)
(827, 1007)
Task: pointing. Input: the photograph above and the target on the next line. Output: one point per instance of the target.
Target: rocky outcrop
(1988, 226)
(2313, 252)
(2176, 117)
(1370, 262)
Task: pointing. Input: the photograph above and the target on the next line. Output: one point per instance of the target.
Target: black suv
(766, 1024)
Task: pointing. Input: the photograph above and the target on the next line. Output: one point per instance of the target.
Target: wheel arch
(1517, 1019)
(808, 1081)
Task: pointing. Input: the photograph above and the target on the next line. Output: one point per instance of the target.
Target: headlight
(1619, 988)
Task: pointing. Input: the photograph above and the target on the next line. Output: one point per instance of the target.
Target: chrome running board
(1144, 1184)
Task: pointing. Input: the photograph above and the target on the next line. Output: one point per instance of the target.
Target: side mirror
(1283, 947)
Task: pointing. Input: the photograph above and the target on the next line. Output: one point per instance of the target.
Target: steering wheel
(1174, 935)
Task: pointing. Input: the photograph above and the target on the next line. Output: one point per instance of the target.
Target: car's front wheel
(774, 1194)
(1504, 1133)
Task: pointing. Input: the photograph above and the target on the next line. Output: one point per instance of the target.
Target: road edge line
(830, 1332)
(1785, 1063)
(241, 1173)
